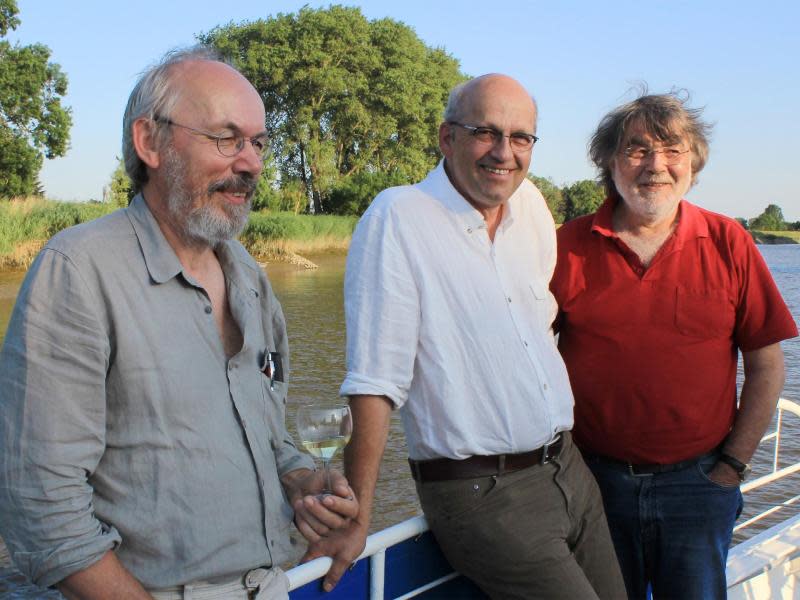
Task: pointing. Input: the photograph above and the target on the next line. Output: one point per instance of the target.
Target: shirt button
(208, 310)
(545, 386)
(526, 343)
(509, 299)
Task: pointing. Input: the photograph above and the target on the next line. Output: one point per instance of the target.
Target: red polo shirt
(651, 352)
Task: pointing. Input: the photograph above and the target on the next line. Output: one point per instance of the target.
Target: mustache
(237, 184)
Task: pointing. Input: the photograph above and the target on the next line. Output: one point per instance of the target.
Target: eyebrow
(637, 141)
(230, 125)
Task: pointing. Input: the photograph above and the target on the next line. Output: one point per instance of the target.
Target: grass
(773, 237)
(27, 223)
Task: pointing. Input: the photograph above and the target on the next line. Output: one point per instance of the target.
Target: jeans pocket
(704, 468)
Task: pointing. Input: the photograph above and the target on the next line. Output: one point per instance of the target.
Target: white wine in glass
(324, 429)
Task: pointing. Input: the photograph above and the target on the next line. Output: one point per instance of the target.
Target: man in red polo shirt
(657, 297)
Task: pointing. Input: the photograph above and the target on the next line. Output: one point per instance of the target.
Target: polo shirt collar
(438, 184)
(691, 222)
(159, 257)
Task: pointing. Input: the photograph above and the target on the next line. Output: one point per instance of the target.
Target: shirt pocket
(708, 313)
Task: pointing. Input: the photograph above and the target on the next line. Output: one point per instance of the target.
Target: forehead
(639, 131)
(213, 94)
(501, 103)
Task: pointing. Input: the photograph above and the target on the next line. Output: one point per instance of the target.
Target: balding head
(488, 169)
(458, 103)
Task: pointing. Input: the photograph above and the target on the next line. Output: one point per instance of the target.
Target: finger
(343, 507)
(307, 532)
(339, 566)
(326, 517)
(307, 511)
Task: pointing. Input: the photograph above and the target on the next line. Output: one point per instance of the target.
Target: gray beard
(204, 224)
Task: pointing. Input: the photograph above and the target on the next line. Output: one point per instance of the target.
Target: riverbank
(26, 225)
(776, 237)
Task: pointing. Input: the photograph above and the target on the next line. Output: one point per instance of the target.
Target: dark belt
(444, 469)
(645, 470)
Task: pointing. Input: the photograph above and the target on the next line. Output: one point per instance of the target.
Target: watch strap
(741, 468)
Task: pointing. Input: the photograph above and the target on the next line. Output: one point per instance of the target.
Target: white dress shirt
(453, 328)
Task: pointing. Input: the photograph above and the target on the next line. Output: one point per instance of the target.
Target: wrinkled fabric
(122, 423)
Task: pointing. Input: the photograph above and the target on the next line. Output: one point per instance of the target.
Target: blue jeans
(670, 530)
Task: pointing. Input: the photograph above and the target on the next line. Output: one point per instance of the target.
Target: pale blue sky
(579, 59)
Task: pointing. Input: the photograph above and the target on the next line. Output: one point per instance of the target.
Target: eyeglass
(519, 140)
(228, 145)
(637, 154)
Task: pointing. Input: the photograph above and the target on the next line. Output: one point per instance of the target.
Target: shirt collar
(691, 222)
(438, 185)
(159, 257)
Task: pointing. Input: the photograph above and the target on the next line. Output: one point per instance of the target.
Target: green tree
(552, 195)
(343, 95)
(120, 191)
(582, 198)
(33, 123)
(769, 220)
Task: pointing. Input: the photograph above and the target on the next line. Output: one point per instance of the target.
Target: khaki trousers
(535, 533)
(258, 584)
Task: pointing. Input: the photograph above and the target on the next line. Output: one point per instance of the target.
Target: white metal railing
(375, 549)
(777, 472)
(378, 542)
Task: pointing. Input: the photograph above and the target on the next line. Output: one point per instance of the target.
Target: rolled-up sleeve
(52, 423)
(382, 312)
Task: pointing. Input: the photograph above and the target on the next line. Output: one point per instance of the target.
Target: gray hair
(453, 110)
(154, 95)
(664, 116)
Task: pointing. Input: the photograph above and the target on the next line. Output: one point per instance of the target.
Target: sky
(737, 59)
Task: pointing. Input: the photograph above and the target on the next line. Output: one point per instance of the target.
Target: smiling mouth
(496, 171)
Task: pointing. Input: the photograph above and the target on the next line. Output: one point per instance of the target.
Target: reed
(27, 223)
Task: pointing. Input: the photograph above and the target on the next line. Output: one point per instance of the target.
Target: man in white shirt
(449, 319)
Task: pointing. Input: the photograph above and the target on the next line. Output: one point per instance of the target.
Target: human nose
(249, 160)
(656, 160)
(501, 148)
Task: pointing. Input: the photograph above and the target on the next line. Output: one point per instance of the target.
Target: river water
(313, 305)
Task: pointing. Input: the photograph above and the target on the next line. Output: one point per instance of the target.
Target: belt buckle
(635, 474)
(546, 456)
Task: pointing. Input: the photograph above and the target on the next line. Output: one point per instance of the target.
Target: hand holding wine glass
(324, 429)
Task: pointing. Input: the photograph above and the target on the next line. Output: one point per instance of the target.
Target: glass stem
(326, 466)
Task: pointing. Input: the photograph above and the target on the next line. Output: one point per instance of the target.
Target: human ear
(446, 139)
(143, 134)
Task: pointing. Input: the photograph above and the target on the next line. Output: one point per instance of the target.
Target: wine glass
(323, 429)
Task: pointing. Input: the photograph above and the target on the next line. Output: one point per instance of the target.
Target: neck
(492, 215)
(195, 257)
(625, 220)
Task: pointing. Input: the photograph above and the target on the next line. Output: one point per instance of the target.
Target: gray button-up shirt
(122, 423)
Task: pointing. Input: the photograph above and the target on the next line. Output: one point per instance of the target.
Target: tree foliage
(552, 195)
(582, 198)
(33, 123)
(769, 220)
(120, 190)
(344, 96)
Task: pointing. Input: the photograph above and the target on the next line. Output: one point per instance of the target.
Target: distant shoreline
(776, 237)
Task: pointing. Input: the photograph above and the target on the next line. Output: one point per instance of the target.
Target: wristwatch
(742, 469)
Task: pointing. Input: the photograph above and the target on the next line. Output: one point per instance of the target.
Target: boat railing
(379, 542)
(777, 472)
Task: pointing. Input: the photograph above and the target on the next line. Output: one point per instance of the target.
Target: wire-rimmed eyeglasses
(489, 136)
(228, 145)
(637, 154)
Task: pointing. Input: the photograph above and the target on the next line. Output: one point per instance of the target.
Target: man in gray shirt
(142, 381)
